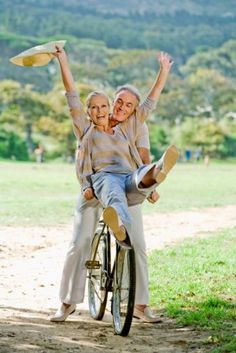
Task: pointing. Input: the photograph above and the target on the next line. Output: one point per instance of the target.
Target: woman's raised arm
(79, 116)
(66, 74)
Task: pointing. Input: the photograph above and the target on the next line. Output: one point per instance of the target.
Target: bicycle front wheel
(123, 291)
(97, 291)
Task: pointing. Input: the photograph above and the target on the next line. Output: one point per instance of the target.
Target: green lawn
(192, 186)
(37, 194)
(195, 282)
(46, 194)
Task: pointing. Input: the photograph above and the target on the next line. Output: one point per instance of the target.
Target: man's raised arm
(144, 110)
(166, 63)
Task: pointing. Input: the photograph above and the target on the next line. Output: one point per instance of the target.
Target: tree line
(197, 110)
(109, 47)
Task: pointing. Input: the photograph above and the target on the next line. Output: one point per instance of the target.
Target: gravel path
(31, 263)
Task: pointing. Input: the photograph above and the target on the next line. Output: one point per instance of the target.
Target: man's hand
(165, 61)
(153, 197)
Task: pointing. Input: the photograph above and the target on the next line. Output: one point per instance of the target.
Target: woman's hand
(88, 194)
(60, 54)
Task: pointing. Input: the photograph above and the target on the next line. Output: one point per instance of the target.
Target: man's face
(99, 110)
(124, 105)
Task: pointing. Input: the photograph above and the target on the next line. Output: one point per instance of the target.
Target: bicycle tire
(97, 278)
(124, 281)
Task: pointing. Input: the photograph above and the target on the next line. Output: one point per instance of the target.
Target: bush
(158, 140)
(211, 136)
(13, 146)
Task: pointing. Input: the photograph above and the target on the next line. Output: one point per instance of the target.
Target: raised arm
(66, 74)
(79, 117)
(166, 63)
(143, 111)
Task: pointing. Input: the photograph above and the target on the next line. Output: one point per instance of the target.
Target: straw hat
(37, 56)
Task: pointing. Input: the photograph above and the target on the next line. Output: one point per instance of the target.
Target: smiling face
(124, 105)
(99, 109)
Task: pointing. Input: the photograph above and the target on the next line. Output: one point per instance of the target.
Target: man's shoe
(126, 243)
(166, 163)
(111, 219)
(63, 312)
(146, 315)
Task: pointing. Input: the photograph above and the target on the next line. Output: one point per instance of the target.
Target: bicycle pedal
(90, 264)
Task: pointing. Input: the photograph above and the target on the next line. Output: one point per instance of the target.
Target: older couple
(113, 149)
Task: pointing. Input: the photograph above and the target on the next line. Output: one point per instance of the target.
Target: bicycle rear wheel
(123, 291)
(97, 277)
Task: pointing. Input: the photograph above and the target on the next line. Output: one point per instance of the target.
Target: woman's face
(99, 110)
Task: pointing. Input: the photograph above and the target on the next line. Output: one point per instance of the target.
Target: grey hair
(95, 94)
(132, 89)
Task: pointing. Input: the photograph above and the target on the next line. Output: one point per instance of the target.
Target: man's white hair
(132, 89)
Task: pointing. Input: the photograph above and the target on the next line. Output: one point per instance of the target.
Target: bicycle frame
(107, 273)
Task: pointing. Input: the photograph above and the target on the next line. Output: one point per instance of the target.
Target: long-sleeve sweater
(84, 131)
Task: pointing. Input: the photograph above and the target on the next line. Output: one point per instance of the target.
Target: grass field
(195, 282)
(45, 194)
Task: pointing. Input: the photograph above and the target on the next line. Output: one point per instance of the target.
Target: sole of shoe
(110, 217)
(124, 244)
(169, 160)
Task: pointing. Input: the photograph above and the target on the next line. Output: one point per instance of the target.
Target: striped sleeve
(142, 138)
(144, 110)
(78, 115)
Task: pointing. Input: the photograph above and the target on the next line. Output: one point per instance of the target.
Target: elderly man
(88, 212)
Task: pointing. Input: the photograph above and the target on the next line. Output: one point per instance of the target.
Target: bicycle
(111, 270)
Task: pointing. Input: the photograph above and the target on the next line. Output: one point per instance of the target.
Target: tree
(222, 60)
(26, 105)
(12, 146)
(204, 133)
(32, 107)
(158, 140)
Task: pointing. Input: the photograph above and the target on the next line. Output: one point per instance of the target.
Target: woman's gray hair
(132, 89)
(95, 94)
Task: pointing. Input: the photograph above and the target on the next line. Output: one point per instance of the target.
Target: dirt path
(31, 262)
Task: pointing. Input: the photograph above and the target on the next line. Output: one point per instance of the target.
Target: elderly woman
(125, 105)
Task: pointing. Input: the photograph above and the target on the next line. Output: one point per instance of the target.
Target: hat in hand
(37, 56)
